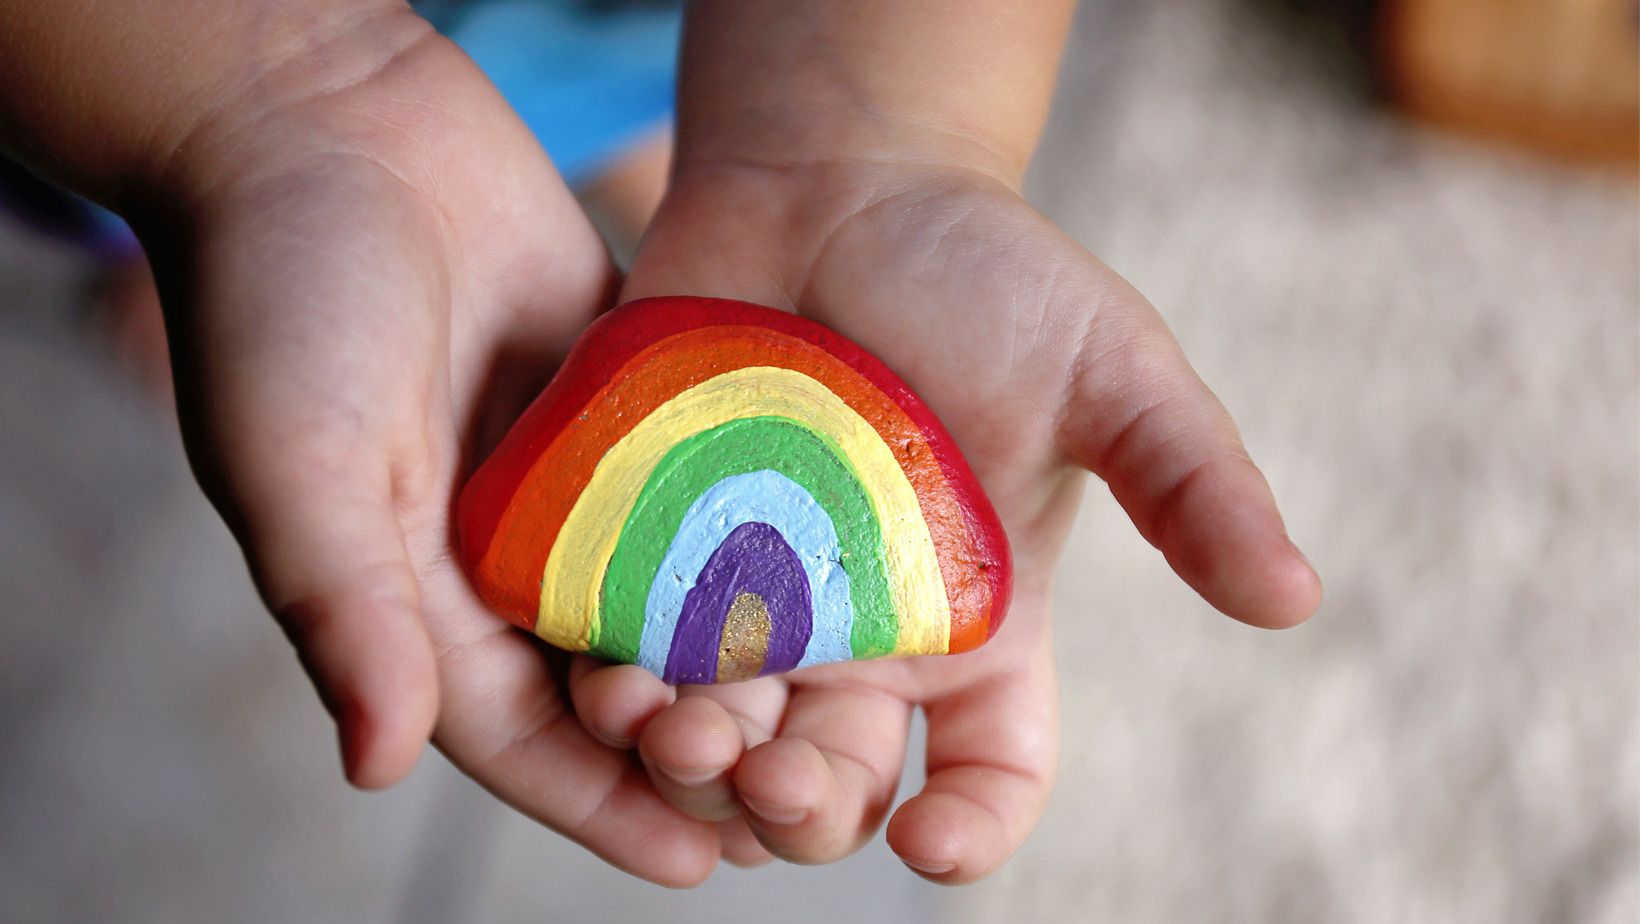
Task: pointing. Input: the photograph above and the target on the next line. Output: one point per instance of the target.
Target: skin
(368, 267)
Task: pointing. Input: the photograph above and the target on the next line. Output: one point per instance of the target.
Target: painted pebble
(715, 491)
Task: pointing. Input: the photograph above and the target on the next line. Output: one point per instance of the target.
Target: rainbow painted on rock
(715, 490)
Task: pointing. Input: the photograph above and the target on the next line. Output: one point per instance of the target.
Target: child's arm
(861, 162)
(955, 84)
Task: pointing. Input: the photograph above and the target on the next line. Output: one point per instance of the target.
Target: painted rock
(715, 490)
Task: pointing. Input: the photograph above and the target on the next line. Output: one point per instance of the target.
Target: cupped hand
(364, 283)
(1042, 363)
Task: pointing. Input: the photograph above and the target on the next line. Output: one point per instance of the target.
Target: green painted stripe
(749, 444)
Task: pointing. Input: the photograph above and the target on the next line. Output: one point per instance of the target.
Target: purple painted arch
(754, 558)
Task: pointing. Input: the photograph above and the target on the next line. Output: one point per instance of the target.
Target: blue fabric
(59, 214)
(588, 79)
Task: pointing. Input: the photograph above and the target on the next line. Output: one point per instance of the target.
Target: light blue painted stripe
(762, 497)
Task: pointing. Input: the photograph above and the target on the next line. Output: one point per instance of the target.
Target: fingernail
(690, 777)
(775, 814)
(930, 867)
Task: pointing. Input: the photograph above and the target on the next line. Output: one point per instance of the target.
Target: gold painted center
(745, 638)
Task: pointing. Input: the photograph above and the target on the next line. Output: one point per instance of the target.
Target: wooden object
(715, 490)
(1562, 77)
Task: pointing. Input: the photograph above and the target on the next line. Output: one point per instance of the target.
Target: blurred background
(1401, 240)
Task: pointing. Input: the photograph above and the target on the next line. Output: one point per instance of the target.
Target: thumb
(317, 523)
(1141, 419)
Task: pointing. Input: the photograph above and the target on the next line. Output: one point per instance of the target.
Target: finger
(688, 750)
(817, 792)
(328, 556)
(1141, 419)
(756, 705)
(740, 845)
(692, 750)
(505, 724)
(691, 753)
(991, 753)
(616, 701)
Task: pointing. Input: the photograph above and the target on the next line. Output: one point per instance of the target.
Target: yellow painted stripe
(586, 542)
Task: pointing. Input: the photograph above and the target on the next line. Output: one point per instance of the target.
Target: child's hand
(860, 162)
(1041, 362)
(372, 278)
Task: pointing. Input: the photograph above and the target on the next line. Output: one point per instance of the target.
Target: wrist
(798, 137)
(782, 220)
